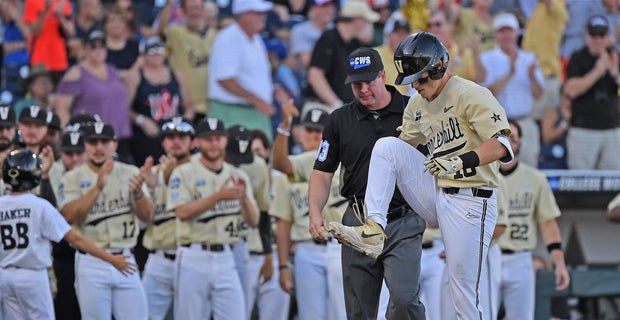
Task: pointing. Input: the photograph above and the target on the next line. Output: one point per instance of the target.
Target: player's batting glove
(440, 167)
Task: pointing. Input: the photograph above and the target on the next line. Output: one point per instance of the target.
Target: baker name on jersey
(103, 205)
(14, 214)
(522, 201)
(450, 131)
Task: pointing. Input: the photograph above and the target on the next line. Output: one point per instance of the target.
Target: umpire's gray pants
(399, 264)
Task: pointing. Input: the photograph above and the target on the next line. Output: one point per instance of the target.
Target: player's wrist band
(283, 266)
(470, 159)
(554, 246)
(284, 132)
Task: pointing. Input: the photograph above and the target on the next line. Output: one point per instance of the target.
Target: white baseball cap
(358, 9)
(505, 19)
(241, 6)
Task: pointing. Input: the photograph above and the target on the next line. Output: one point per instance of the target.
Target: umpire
(348, 139)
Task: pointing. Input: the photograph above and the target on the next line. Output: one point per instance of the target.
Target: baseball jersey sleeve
(409, 131)
(485, 113)
(328, 156)
(69, 188)
(179, 188)
(302, 165)
(53, 224)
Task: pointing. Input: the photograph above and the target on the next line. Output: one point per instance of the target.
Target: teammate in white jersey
(531, 205)
(463, 130)
(208, 196)
(104, 199)
(160, 235)
(27, 225)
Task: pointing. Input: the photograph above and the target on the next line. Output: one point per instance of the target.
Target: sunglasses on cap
(177, 126)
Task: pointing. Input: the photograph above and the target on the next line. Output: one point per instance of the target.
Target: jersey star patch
(496, 117)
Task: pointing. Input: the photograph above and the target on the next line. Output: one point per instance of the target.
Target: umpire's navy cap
(7, 116)
(98, 130)
(210, 126)
(239, 147)
(364, 65)
(33, 114)
(315, 119)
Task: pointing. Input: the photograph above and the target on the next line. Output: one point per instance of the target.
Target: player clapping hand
(102, 177)
(147, 173)
(233, 189)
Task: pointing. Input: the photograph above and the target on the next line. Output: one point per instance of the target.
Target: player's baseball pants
(518, 287)
(26, 294)
(272, 301)
(104, 291)
(158, 282)
(430, 279)
(318, 282)
(207, 283)
(466, 221)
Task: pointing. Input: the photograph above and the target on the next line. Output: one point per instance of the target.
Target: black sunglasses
(423, 80)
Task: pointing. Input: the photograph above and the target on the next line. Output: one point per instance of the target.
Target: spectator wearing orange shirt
(50, 24)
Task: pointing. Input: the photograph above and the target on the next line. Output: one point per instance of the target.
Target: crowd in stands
(552, 64)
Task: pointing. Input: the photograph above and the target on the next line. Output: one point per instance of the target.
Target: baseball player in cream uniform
(160, 235)
(28, 224)
(530, 204)
(208, 196)
(104, 200)
(261, 280)
(463, 129)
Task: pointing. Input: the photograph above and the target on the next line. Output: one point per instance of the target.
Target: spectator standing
(88, 18)
(50, 25)
(553, 131)
(328, 66)
(16, 58)
(39, 86)
(476, 22)
(240, 85)
(189, 49)
(92, 86)
(122, 47)
(304, 35)
(159, 96)
(396, 30)
(515, 78)
(551, 16)
(592, 84)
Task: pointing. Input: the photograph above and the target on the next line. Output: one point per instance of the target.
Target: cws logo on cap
(364, 65)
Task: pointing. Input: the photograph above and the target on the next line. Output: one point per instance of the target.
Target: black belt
(322, 242)
(110, 251)
(476, 192)
(427, 245)
(216, 247)
(169, 256)
(508, 251)
(257, 253)
(398, 212)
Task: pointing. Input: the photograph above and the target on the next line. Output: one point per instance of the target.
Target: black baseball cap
(239, 147)
(7, 116)
(177, 125)
(96, 35)
(210, 126)
(72, 142)
(98, 130)
(364, 65)
(53, 121)
(315, 119)
(597, 25)
(82, 119)
(33, 114)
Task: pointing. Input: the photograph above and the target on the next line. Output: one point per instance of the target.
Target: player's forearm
(550, 231)
(47, 192)
(283, 240)
(82, 243)
(77, 210)
(489, 151)
(281, 161)
(574, 87)
(143, 207)
(318, 191)
(196, 207)
(249, 212)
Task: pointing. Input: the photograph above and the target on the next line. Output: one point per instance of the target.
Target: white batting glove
(440, 167)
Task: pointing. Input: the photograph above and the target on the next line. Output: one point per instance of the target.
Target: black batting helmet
(419, 53)
(21, 170)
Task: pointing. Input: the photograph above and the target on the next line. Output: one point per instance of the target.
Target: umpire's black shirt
(348, 138)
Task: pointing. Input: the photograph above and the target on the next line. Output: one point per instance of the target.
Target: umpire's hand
(318, 226)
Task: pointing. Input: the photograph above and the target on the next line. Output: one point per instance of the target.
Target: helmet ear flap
(440, 69)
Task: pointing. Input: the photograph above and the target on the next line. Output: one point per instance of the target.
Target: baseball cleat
(367, 238)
